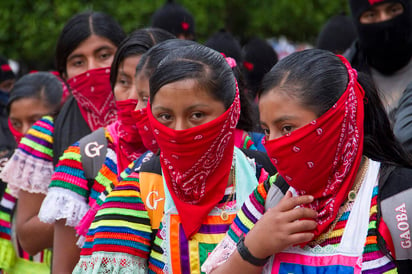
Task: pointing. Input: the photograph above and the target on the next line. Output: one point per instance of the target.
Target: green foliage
(30, 28)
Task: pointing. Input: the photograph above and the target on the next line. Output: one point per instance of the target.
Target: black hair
(157, 53)
(79, 28)
(248, 119)
(175, 19)
(317, 79)
(198, 62)
(136, 43)
(259, 58)
(224, 42)
(40, 85)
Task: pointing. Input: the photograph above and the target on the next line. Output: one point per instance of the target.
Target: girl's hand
(282, 226)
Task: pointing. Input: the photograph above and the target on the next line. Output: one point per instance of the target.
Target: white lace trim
(25, 172)
(109, 262)
(63, 204)
(219, 255)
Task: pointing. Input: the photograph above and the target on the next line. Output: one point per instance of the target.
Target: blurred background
(29, 28)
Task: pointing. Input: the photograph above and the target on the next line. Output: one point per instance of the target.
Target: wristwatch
(247, 256)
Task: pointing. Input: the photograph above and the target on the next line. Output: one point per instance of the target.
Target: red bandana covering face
(94, 96)
(17, 134)
(127, 138)
(196, 163)
(145, 129)
(323, 157)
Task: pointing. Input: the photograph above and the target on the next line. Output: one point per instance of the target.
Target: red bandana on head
(145, 129)
(196, 163)
(127, 138)
(94, 96)
(323, 157)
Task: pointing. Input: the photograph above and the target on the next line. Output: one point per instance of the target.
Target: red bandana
(94, 96)
(126, 136)
(145, 129)
(323, 157)
(196, 163)
(17, 134)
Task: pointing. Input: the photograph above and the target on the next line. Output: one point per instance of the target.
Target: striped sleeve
(120, 235)
(251, 211)
(68, 190)
(31, 167)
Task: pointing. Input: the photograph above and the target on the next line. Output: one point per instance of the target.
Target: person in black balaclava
(337, 34)
(384, 45)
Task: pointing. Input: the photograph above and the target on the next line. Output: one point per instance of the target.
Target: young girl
(32, 97)
(347, 207)
(186, 197)
(72, 181)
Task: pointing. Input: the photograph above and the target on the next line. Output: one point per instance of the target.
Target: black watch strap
(247, 256)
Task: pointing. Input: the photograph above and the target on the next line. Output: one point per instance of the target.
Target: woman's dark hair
(198, 62)
(136, 43)
(224, 42)
(248, 119)
(157, 53)
(40, 85)
(317, 79)
(79, 28)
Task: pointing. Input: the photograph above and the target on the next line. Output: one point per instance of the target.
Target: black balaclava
(337, 34)
(387, 45)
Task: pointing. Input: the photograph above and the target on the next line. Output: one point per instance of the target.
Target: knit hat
(224, 42)
(175, 19)
(337, 34)
(357, 7)
(260, 57)
(6, 72)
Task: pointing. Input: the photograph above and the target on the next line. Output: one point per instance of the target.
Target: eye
(286, 129)
(16, 124)
(165, 117)
(396, 9)
(266, 131)
(105, 55)
(123, 81)
(197, 115)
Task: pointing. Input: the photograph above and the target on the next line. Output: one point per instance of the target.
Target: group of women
(145, 167)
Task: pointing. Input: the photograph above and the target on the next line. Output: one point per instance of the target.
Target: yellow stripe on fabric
(4, 216)
(244, 220)
(208, 238)
(336, 233)
(120, 223)
(125, 193)
(156, 255)
(36, 146)
(194, 256)
(374, 210)
(124, 212)
(42, 136)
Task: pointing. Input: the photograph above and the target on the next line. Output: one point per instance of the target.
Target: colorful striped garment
(69, 196)
(122, 237)
(374, 260)
(29, 169)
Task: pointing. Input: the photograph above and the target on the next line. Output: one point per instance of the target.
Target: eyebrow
(284, 118)
(94, 52)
